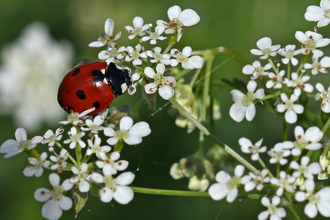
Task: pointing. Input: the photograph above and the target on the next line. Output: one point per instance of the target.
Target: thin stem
(265, 167)
(292, 212)
(184, 113)
(285, 130)
(170, 45)
(274, 67)
(326, 126)
(70, 157)
(167, 192)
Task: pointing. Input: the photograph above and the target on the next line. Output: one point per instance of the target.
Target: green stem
(288, 71)
(326, 126)
(186, 114)
(170, 45)
(292, 212)
(167, 192)
(33, 153)
(265, 167)
(273, 65)
(278, 93)
(285, 130)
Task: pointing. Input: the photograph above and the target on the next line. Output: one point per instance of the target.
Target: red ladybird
(92, 85)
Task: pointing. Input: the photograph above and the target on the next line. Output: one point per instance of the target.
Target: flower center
(299, 83)
(135, 55)
(158, 56)
(57, 193)
(266, 51)
(74, 116)
(325, 96)
(289, 54)
(278, 156)
(310, 44)
(300, 144)
(248, 98)
(96, 148)
(154, 36)
(75, 138)
(94, 127)
(313, 198)
(327, 14)
(137, 30)
(302, 169)
(289, 105)
(272, 209)
(24, 145)
(121, 134)
(254, 149)
(234, 182)
(109, 182)
(316, 65)
(182, 58)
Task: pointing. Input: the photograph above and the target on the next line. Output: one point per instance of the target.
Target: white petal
(173, 12)
(300, 196)
(108, 26)
(106, 194)
(133, 140)
(97, 177)
(112, 141)
(51, 210)
(324, 208)
(239, 170)
(65, 203)
(141, 129)
(149, 72)
(123, 194)
(84, 186)
(290, 117)
(264, 43)
(189, 17)
(222, 177)
(314, 13)
(42, 194)
(310, 210)
(232, 194)
(20, 134)
(54, 179)
(126, 123)
(237, 111)
(250, 112)
(218, 191)
(125, 178)
(8, 146)
(166, 92)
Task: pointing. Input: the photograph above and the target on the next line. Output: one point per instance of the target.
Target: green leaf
(80, 200)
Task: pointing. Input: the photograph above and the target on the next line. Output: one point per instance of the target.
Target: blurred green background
(235, 24)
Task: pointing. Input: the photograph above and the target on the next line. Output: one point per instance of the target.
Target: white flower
(279, 152)
(286, 182)
(138, 29)
(304, 169)
(320, 14)
(75, 138)
(265, 48)
(55, 200)
(36, 167)
(50, 137)
(310, 41)
(322, 66)
(164, 84)
(249, 148)
(95, 148)
(298, 83)
(131, 134)
(95, 125)
(244, 104)
(135, 55)
(32, 64)
(132, 89)
(154, 36)
(74, 117)
(317, 201)
(12, 147)
(306, 140)
(178, 20)
(106, 37)
(276, 80)
(187, 62)
(289, 52)
(115, 187)
(290, 108)
(226, 186)
(198, 184)
(59, 160)
(112, 161)
(158, 56)
(325, 96)
(111, 53)
(256, 70)
(256, 180)
(272, 209)
(81, 177)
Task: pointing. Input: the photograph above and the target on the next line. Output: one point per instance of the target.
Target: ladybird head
(117, 78)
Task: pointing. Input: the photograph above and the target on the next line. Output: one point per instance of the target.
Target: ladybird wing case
(85, 87)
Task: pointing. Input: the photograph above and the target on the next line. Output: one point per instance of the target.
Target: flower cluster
(155, 76)
(301, 174)
(85, 172)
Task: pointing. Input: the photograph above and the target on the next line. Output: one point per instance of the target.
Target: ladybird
(92, 85)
